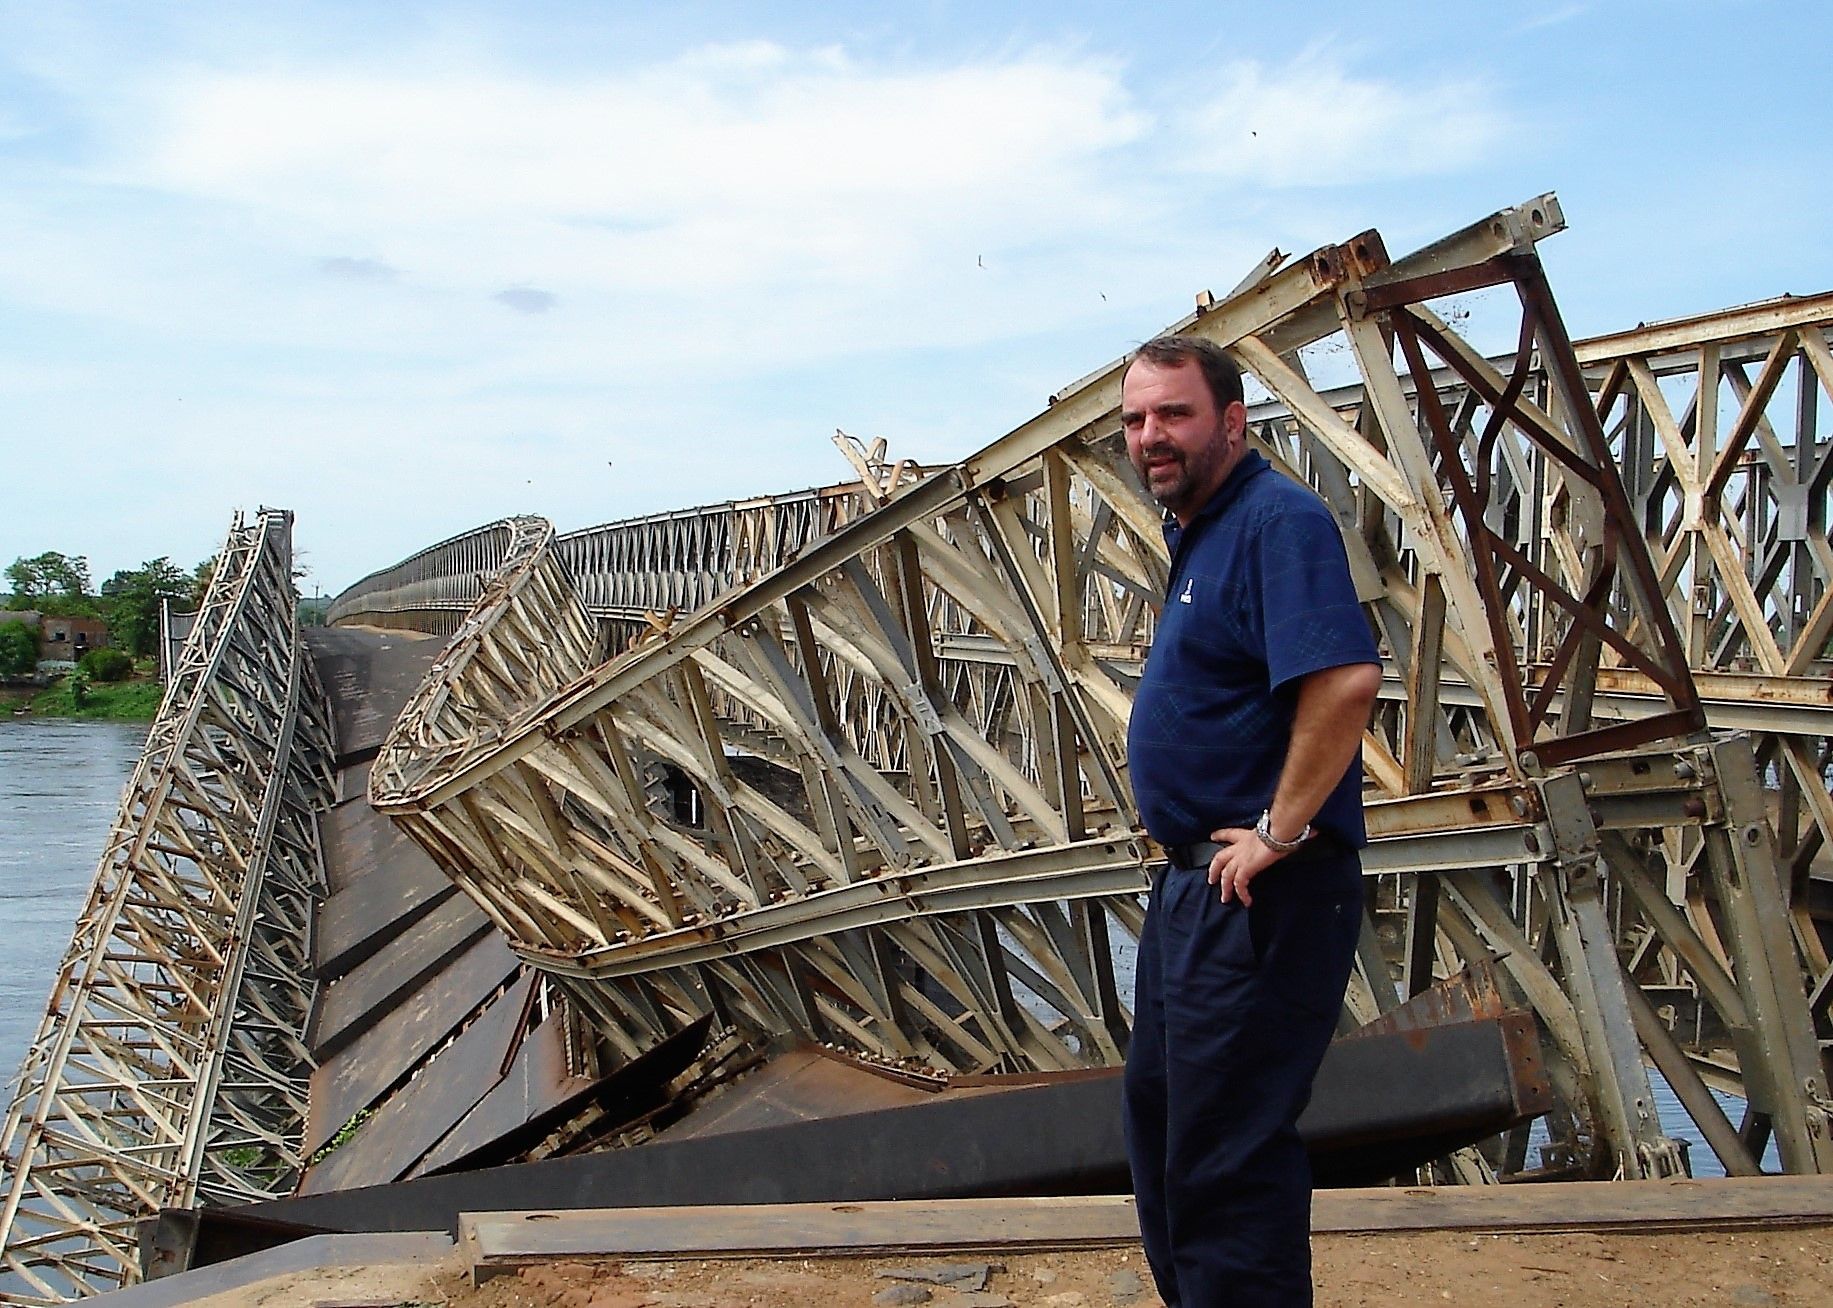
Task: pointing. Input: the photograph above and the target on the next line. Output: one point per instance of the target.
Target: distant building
(60, 640)
(71, 638)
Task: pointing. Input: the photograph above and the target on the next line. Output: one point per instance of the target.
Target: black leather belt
(1196, 857)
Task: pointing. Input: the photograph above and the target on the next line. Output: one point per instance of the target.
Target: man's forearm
(1327, 726)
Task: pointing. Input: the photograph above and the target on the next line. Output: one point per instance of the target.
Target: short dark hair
(1221, 372)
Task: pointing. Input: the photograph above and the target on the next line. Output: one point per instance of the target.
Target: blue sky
(409, 268)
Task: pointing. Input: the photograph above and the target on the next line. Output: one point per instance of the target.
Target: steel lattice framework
(1732, 479)
(900, 817)
(663, 564)
(170, 1067)
(1730, 485)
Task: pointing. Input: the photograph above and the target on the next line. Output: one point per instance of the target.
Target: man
(1245, 755)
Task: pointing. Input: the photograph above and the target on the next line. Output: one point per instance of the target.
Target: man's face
(1182, 448)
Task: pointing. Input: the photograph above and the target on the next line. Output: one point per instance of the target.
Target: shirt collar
(1252, 464)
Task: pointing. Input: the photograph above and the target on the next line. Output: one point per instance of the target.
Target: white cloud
(1551, 17)
(302, 271)
(526, 299)
(1313, 123)
(736, 164)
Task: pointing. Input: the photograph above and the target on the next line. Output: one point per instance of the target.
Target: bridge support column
(1623, 1100)
(1785, 1073)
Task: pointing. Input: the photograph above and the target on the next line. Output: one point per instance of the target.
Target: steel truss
(1731, 497)
(904, 822)
(170, 1067)
(1721, 426)
(663, 564)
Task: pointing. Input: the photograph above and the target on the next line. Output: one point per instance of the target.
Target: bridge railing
(430, 590)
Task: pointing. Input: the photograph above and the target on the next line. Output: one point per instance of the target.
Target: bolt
(1685, 770)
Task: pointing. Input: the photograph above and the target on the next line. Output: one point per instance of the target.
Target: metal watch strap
(1264, 829)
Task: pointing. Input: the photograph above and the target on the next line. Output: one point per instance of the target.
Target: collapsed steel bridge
(898, 816)
(847, 764)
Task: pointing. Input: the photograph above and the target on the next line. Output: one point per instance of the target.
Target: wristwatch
(1264, 829)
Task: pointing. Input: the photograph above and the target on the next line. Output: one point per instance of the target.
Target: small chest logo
(1185, 597)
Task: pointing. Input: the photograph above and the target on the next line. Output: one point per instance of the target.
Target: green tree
(48, 574)
(201, 576)
(18, 649)
(133, 601)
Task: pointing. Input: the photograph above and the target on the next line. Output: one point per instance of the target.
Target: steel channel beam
(1382, 1103)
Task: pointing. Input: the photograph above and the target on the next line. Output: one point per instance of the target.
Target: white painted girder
(170, 1067)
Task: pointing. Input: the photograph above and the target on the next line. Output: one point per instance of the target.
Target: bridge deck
(410, 965)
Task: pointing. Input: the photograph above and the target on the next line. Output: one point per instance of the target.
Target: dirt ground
(1682, 1270)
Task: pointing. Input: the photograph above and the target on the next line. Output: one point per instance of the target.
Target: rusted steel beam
(1386, 1100)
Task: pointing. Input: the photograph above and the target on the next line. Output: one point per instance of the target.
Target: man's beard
(1178, 485)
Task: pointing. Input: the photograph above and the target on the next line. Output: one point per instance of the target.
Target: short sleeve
(1310, 617)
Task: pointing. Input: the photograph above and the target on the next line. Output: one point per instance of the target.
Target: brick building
(61, 639)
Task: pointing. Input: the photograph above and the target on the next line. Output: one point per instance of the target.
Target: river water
(60, 785)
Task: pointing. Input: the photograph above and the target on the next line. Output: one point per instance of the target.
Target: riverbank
(134, 700)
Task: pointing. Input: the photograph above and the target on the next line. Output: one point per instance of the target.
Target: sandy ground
(1745, 1268)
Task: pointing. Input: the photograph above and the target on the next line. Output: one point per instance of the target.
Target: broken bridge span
(847, 766)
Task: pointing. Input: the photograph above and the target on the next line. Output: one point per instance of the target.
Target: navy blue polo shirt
(1260, 596)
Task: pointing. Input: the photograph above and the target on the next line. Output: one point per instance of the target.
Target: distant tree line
(58, 585)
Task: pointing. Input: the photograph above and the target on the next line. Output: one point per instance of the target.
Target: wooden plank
(355, 1003)
(500, 1242)
(416, 1116)
(249, 1274)
(1671, 1205)
(497, 1242)
(356, 1077)
(537, 1083)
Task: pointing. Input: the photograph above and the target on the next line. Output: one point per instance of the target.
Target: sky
(409, 268)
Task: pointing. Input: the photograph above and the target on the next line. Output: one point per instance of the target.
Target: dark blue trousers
(1233, 1012)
